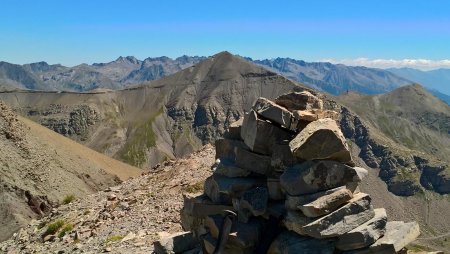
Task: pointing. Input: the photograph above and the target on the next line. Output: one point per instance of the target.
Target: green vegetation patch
(68, 199)
(143, 138)
(114, 238)
(65, 229)
(195, 188)
(54, 227)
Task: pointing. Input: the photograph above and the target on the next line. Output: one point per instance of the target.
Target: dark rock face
(434, 177)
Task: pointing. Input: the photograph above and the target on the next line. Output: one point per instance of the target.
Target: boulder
(201, 206)
(289, 243)
(274, 187)
(275, 113)
(253, 162)
(175, 243)
(340, 221)
(226, 148)
(314, 176)
(259, 134)
(228, 168)
(221, 189)
(327, 203)
(366, 234)
(398, 234)
(299, 101)
(293, 202)
(282, 156)
(321, 140)
(234, 130)
(253, 203)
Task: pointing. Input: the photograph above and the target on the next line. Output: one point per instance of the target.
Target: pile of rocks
(284, 182)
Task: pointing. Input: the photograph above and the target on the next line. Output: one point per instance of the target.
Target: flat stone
(228, 168)
(341, 221)
(299, 101)
(253, 203)
(234, 130)
(259, 134)
(201, 206)
(253, 162)
(398, 234)
(210, 243)
(314, 114)
(291, 243)
(327, 203)
(293, 202)
(226, 148)
(273, 112)
(221, 189)
(175, 243)
(314, 176)
(366, 234)
(321, 140)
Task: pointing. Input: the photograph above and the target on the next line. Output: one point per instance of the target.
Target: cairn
(285, 182)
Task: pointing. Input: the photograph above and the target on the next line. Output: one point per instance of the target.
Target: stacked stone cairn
(284, 182)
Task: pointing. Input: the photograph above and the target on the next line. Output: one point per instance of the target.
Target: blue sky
(73, 32)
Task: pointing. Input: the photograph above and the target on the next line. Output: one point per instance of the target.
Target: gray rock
(327, 203)
(344, 219)
(290, 243)
(253, 202)
(201, 206)
(366, 234)
(259, 134)
(210, 242)
(221, 189)
(273, 112)
(398, 234)
(321, 140)
(299, 101)
(314, 176)
(293, 202)
(228, 168)
(226, 148)
(282, 156)
(253, 162)
(176, 243)
(234, 130)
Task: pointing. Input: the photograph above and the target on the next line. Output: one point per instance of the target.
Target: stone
(340, 221)
(234, 130)
(228, 168)
(175, 243)
(275, 209)
(366, 234)
(314, 115)
(282, 156)
(321, 140)
(201, 206)
(274, 187)
(253, 203)
(242, 235)
(226, 148)
(293, 202)
(327, 203)
(253, 162)
(273, 112)
(299, 101)
(220, 189)
(314, 176)
(210, 243)
(259, 134)
(398, 234)
(289, 243)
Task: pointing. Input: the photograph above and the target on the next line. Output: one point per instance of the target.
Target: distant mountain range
(129, 71)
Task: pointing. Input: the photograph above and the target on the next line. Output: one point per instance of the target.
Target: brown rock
(299, 101)
(275, 113)
(226, 148)
(234, 130)
(175, 243)
(314, 114)
(293, 202)
(327, 203)
(321, 140)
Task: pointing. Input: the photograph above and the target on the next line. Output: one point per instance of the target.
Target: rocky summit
(306, 201)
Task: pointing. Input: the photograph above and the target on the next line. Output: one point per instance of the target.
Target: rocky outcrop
(310, 204)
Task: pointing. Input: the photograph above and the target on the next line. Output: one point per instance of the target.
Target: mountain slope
(39, 168)
(408, 128)
(434, 79)
(162, 119)
(335, 78)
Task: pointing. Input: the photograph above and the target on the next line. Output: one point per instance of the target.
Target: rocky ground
(122, 219)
